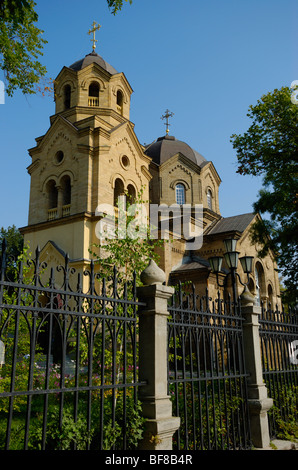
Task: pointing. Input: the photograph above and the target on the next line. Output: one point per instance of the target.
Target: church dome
(91, 58)
(166, 147)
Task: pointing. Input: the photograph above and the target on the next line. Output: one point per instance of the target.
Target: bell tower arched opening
(120, 102)
(93, 94)
(67, 96)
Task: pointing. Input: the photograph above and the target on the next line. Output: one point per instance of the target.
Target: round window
(59, 156)
(125, 161)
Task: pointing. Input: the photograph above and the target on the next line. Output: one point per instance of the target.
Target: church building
(90, 155)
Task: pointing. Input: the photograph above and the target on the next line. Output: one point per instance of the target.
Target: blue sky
(205, 60)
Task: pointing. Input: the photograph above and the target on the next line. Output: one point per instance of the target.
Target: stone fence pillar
(258, 400)
(153, 336)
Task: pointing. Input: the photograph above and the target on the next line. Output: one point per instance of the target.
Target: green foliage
(14, 241)
(285, 413)
(64, 432)
(71, 433)
(216, 414)
(269, 148)
(116, 5)
(127, 253)
(21, 44)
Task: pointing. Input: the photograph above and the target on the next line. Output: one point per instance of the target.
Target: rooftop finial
(166, 116)
(95, 27)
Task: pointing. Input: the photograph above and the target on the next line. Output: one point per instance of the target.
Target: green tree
(21, 44)
(116, 5)
(130, 248)
(269, 148)
(14, 241)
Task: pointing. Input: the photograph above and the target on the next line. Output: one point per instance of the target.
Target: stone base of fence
(258, 401)
(153, 370)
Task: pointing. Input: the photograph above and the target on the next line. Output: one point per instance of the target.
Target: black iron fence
(279, 346)
(69, 363)
(68, 359)
(207, 378)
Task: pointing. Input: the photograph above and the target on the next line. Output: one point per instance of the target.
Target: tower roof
(91, 58)
(166, 147)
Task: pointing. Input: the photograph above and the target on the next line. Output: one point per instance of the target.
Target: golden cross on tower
(166, 116)
(95, 27)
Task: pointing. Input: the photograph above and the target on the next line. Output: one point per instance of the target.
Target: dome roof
(90, 59)
(166, 147)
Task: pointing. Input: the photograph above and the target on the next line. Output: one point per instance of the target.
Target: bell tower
(89, 151)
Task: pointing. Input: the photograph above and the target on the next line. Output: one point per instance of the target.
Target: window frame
(180, 190)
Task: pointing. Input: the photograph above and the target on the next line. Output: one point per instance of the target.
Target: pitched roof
(191, 262)
(237, 223)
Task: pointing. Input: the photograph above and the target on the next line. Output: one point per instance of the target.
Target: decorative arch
(179, 181)
(66, 173)
(44, 185)
(115, 177)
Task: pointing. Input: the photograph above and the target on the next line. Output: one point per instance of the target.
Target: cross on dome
(95, 27)
(166, 116)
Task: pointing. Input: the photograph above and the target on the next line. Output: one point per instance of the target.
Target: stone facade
(90, 154)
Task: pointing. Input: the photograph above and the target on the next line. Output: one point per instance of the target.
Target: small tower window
(93, 94)
(119, 102)
(67, 96)
(209, 199)
(180, 193)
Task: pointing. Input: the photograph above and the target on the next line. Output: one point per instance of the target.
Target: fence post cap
(247, 298)
(152, 274)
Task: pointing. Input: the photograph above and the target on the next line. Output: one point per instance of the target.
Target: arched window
(67, 96)
(209, 199)
(259, 277)
(270, 295)
(131, 194)
(120, 101)
(180, 193)
(93, 94)
(52, 199)
(66, 195)
(118, 190)
(52, 193)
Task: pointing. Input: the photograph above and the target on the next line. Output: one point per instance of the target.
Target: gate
(207, 379)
